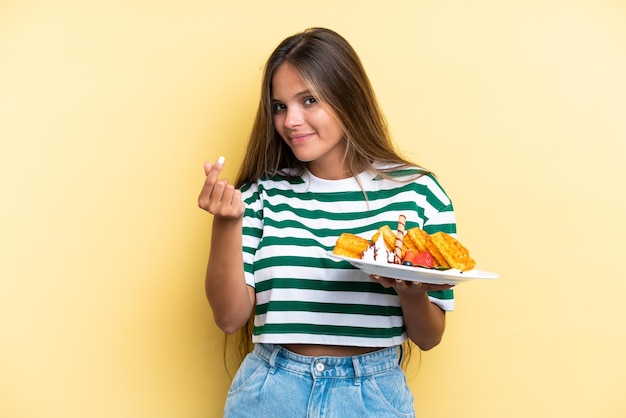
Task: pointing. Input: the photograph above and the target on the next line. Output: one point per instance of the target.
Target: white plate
(416, 274)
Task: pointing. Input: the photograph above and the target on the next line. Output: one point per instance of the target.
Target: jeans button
(319, 367)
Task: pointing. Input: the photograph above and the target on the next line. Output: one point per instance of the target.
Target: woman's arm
(424, 321)
(230, 298)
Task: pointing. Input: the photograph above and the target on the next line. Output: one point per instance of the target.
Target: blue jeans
(277, 383)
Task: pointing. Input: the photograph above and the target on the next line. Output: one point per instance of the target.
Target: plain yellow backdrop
(108, 110)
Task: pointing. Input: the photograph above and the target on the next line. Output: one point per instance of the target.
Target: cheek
(330, 125)
(335, 131)
(279, 126)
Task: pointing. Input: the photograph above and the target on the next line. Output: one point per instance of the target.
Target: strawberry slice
(409, 258)
(424, 259)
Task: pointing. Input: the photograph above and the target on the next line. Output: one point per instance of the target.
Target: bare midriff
(314, 350)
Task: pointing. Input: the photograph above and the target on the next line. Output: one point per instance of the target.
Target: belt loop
(357, 370)
(272, 359)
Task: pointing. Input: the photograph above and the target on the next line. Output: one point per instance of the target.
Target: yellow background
(109, 108)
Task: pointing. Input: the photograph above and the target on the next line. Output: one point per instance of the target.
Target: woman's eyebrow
(299, 94)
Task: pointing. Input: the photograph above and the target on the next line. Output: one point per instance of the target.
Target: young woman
(327, 337)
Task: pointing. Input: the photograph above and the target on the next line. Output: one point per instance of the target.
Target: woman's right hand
(231, 299)
(218, 196)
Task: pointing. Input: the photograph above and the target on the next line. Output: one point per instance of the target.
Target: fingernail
(221, 160)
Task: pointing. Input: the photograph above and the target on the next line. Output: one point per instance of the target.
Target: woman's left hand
(402, 286)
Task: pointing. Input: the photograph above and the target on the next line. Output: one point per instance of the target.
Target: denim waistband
(328, 366)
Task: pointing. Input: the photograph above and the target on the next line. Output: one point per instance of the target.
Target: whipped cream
(378, 253)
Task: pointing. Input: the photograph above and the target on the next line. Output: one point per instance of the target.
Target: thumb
(219, 164)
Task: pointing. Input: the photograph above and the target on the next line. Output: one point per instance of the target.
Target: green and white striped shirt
(302, 295)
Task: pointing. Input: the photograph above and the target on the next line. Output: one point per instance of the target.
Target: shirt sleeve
(252, 230)
(439, 217)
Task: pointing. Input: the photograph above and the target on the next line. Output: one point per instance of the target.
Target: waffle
(388, 236)
(350, 245)
(446, 250)
(455, 254)
(418, 240)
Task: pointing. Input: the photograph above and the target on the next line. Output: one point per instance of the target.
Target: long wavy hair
(334, 74)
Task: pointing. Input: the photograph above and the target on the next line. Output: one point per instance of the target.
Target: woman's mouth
(299, 138)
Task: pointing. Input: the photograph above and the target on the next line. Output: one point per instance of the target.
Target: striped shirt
(302, 295)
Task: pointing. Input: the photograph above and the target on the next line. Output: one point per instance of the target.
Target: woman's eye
(277, 107)
(310, 101)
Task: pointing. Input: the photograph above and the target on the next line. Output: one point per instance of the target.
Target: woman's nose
(293, 117)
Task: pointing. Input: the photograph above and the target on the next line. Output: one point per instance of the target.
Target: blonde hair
(334, 74)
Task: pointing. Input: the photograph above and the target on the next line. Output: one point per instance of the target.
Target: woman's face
(311, 130)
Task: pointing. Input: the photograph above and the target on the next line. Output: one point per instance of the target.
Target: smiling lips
(299, 137)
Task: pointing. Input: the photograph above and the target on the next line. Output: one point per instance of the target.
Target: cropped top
(302, 295)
